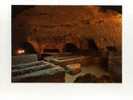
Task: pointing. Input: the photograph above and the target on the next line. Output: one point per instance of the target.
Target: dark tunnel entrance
(92, 45)
(28, 48)
(51, 50)
(70, 47)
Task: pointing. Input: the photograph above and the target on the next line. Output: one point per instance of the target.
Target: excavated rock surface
(54, 26)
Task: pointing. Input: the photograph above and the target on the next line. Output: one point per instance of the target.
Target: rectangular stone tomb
(66, 60)
(45, 72)
(20, 59)
(30, 64)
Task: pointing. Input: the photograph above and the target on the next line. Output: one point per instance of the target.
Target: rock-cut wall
(54, 26)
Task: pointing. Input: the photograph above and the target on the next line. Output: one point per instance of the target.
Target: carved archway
(70, 47)
(29, 49)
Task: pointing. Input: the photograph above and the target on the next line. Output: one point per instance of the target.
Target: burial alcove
(70, 47)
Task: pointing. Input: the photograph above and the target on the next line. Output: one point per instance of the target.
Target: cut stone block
(30, 64)
(55, 74)
(73, 68)
(24, 59)
(66, 61)
(29, 69)
(38, 71)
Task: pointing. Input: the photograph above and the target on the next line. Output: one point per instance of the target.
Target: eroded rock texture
(51, 27)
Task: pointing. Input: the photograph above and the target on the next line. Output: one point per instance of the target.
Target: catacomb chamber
(66, 44)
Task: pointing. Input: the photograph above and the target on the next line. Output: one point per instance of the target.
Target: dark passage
(92, 45)
(28, 48)
(69, 47)
(51, 50)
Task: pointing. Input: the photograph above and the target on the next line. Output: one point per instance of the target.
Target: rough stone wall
(53, 42)
(53, 26)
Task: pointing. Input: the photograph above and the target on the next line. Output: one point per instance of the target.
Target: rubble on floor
(87, 78)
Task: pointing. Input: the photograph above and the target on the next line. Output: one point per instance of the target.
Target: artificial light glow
(20, 51)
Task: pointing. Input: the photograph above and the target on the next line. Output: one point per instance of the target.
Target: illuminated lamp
(20, 51)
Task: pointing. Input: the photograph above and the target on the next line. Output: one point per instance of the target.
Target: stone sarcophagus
(38, 71)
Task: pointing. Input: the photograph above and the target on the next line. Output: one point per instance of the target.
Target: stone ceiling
(85, 21)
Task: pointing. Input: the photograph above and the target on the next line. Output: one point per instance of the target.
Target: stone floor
(88, 64)
(89, 68)
(93, 69)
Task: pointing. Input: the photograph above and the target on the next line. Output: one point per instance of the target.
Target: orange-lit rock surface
(54, 26)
